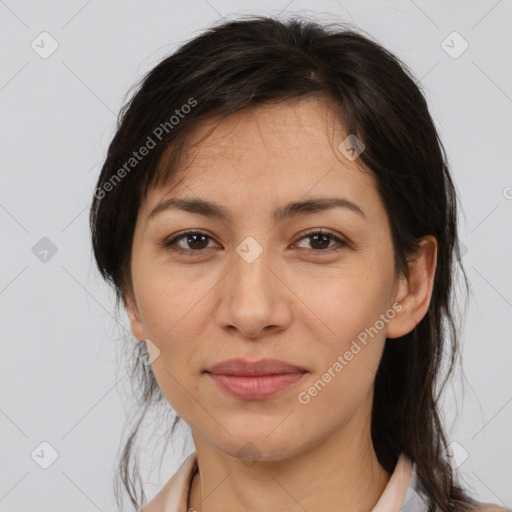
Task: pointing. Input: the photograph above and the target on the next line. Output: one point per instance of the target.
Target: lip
(255, 380)
(245, 368)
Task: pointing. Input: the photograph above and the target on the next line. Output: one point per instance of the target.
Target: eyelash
(171, 244)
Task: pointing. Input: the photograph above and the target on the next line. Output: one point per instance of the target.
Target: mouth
(255, 380)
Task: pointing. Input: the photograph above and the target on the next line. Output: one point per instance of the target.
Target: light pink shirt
(400, 494)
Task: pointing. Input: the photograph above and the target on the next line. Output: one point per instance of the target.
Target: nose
(254, 300)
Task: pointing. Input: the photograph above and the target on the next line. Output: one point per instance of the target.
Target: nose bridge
(250, 266)
(251, 298)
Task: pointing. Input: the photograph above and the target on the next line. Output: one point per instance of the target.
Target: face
(314, 288)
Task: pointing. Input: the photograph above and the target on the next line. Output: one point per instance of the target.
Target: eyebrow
(292, 209)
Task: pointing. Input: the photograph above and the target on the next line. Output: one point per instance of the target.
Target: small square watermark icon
(454, 45)
(352, 147)
(44, 249)
(463, 249)
(249, 249)
(455, 454)
(44, 455)
(149, 353)
(44, 45)
(250, 454)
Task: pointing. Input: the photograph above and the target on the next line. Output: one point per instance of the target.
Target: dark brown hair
(246, 62)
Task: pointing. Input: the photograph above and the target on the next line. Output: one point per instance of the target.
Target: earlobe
(414, 294)
(134, 316)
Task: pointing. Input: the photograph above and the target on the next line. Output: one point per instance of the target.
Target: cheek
(351, 300)
(178, 389)
(172, 299)
(353, 308)
(171, 314)
(346, 359)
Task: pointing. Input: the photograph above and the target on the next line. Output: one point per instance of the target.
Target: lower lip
(255, 388)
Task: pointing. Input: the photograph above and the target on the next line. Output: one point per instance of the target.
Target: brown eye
(320, 241)
(194, 241)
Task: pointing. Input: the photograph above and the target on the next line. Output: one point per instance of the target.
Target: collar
(400, 493)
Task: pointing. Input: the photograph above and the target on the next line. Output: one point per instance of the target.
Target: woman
(277, 216)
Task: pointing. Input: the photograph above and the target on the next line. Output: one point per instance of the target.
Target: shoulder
(173, 496)
(157, 503)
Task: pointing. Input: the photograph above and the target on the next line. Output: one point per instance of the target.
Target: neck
(340, 474)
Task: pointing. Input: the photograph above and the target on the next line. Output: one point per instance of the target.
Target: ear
(130, 305)
(414, 294)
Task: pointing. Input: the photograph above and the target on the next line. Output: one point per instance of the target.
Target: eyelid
(320, 231)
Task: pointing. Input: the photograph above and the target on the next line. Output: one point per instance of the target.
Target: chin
(253, 446)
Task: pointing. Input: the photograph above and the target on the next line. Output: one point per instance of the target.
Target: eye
(194, 241)
(321, 239)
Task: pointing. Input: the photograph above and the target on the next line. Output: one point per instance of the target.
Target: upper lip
(244, 367)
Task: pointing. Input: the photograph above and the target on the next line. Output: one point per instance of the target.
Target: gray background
(58, 375)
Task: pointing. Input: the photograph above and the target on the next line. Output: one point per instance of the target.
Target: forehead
(274, 152)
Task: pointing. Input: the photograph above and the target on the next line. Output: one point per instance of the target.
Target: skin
(287, 304)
